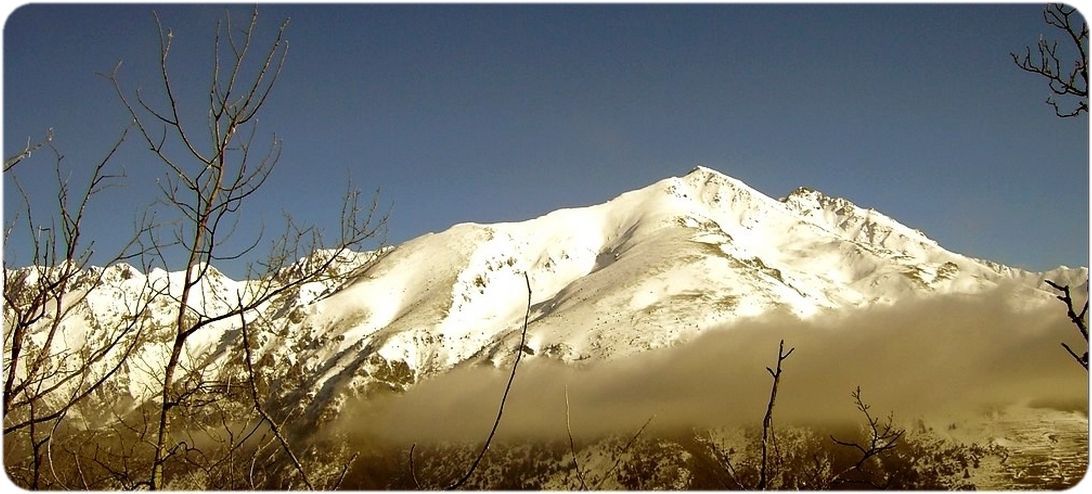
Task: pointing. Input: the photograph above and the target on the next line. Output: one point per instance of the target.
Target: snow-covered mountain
(647, 269)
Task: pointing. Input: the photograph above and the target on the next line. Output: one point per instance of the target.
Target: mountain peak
(704, 177)
(715, 189)
(702, 170)
(645, 270)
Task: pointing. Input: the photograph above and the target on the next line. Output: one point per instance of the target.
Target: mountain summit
(644, 270)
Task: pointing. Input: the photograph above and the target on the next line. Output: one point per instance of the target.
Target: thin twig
(767, 420)
(412, 470)
(1078, 320)
(572, 444)
(882, 437)
(258, 404)
(344, 470)
(618, 456)
(500, 410)
(1061, 82)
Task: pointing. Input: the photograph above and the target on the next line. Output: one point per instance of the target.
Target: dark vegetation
(679, 461)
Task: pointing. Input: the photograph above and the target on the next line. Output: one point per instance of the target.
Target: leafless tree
(883, 436)
(767, 420)
(49, 367)
(768, 445)
(1065, 79)
(209, 175)
(252, 382)
(1080, 320)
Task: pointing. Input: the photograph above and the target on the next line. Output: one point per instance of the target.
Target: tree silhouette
(1067, 80)
(209, 174)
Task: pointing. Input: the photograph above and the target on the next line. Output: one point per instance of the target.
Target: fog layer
(942, 359)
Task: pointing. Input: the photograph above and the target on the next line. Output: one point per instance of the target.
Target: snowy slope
(642, 270)
(646, 269)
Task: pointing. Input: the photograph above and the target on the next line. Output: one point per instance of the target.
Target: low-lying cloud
(942, 358)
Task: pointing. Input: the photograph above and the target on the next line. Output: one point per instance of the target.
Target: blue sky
(499, 113)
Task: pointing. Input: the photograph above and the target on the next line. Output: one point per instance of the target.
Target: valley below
(1045, 449)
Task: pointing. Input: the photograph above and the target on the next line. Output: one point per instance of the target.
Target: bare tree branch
(725, 460)
(767, 420)
(620, 452)
(1071, 82)
(572, 444)
(504, 398)
(882, 437)
(252, 380)
(412, 469)
(207, 187)
(1079, 320)
(345, 470)
(28, 149)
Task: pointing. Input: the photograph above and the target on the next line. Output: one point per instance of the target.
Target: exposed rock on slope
(647, 269)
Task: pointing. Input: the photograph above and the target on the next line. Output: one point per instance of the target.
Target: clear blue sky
(495, 113)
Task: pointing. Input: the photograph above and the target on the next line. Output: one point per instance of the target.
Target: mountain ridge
(647, 269)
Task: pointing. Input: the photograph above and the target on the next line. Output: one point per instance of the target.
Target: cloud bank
(943, 359)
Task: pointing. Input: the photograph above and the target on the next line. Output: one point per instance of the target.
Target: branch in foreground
(618, 456)
(1078, 319)
(572, 444)
(881, 438)
(252, 380)
(28, 149)
(767, 421)
(504, 397)
(1071, 82)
